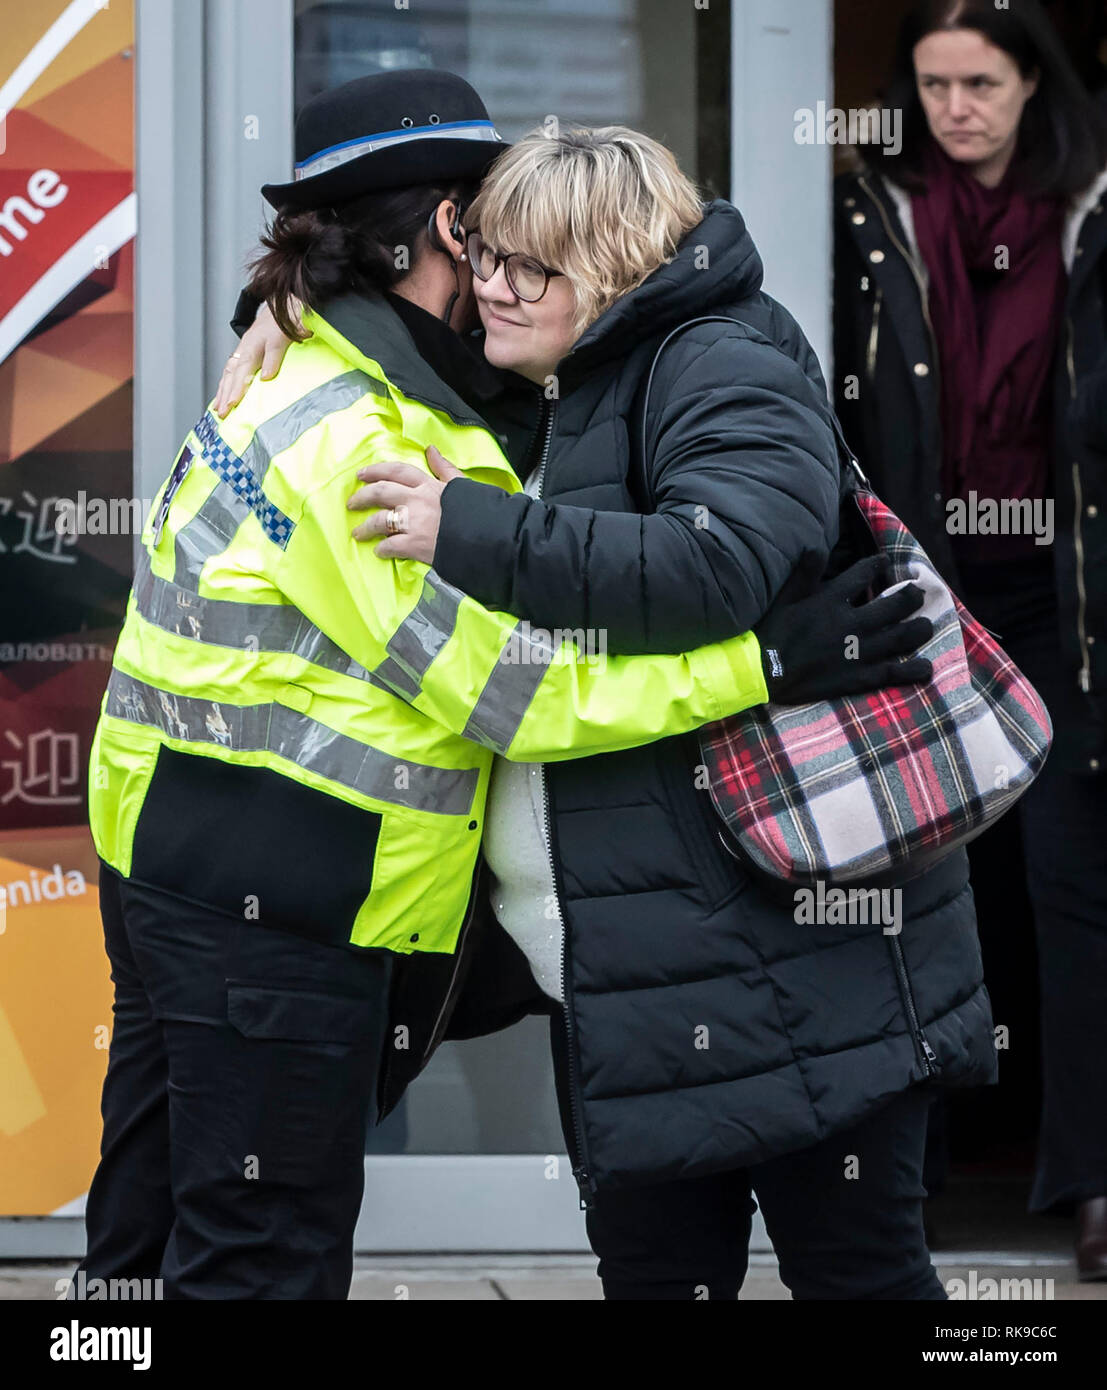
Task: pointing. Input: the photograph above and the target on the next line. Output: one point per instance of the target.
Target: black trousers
(1063, 819)
(242, 1066)
(844, 1216)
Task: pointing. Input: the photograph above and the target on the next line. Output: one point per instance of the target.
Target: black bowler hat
(390, 130)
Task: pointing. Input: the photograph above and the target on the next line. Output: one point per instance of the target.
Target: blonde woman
(706, 1045)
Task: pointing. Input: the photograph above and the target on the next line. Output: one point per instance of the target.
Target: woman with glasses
(708, 1043)
(528, 279)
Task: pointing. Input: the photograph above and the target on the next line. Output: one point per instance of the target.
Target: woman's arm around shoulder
(744, 475)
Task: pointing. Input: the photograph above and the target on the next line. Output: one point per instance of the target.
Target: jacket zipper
(450, 991)
(1078, 532)
(927, 1054)
(874, 336)
(584, 1180)
(550, 409)
(451, 988)
(914, 269)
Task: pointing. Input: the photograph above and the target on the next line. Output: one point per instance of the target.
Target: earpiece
(455, 229)
(436, 241)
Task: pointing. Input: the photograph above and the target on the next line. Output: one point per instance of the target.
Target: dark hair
(314, 254)
(1062, 143)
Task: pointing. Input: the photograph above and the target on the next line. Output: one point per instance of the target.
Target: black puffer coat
(707, 1029)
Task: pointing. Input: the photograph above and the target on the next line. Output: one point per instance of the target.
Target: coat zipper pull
(928, 1052)
(585, 1186)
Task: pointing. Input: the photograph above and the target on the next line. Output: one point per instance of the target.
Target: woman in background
(969, 302)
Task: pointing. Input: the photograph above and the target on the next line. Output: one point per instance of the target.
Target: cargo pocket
(302, 1068)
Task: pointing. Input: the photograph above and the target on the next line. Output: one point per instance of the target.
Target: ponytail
(314, 254)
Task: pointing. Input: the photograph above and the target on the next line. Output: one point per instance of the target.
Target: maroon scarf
(997, 329)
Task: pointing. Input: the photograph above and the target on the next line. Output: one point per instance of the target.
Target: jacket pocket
(696, 823)
(262, 1012)
(243, 838)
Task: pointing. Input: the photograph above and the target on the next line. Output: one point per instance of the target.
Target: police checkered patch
(222, 460)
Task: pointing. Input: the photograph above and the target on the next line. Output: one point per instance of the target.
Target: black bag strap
(845, 452)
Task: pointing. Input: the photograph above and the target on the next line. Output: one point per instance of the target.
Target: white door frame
(213, 120)
(782, 55)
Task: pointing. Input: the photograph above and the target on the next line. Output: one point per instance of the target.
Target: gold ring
(392, 522)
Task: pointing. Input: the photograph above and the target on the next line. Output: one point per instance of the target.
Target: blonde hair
(605, 206)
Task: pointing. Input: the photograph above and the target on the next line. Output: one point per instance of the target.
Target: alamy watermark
(1006, 516)
(853, 907)
(831, 125)
(85, 1290)
(77, 1343)
(536, 646)
(988, 1289)
(100, 516)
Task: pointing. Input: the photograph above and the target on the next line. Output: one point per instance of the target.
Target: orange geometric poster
(67, 226)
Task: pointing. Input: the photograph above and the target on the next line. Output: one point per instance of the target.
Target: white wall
(782, 61)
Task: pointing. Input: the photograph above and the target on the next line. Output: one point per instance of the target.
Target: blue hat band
(338, 155)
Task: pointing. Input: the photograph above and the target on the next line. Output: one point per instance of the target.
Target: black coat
(707, 1028)
(887, 392)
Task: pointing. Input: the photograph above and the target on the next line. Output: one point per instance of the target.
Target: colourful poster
(67, 225)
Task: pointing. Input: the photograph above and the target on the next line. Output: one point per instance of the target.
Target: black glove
(245, 312)
(804, 635)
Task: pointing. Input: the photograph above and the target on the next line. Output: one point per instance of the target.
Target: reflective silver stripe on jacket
(420, 637)
(511, 687)
(251, 627)
(280, 627)
(277, 729)
(214, 526)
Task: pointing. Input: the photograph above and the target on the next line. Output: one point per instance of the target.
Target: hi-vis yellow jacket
(260, 635)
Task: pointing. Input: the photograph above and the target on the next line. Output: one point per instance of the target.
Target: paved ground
(980, 1230)
(559, 1278)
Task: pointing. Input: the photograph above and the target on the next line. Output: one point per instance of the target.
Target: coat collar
(901, 201)
(364, 327)
(1077, 215)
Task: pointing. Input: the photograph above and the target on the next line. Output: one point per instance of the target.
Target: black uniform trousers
(242, 1068)
(844, 1216)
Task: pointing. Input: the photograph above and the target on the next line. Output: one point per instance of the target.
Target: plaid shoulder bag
(878, 787)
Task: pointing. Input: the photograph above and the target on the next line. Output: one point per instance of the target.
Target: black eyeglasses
(527, 278)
